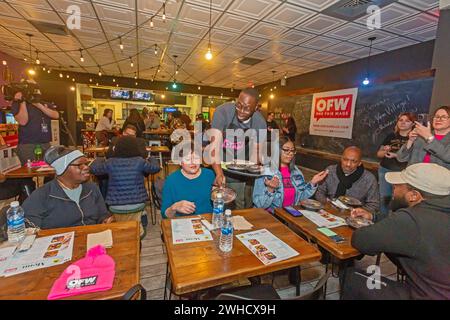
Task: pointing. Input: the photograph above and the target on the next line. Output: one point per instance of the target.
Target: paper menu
(45, 252)
(266, 247)
(5, 256)
(189, 230)
(323, 218)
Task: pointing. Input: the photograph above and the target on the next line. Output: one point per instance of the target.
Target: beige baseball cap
(428, 177)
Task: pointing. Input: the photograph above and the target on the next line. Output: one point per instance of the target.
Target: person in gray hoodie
(416, 237)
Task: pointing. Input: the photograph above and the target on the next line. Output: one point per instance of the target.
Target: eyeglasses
(445, 118)
(287, 151)
(243, 108)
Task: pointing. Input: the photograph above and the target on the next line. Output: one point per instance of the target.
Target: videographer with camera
(34, 118)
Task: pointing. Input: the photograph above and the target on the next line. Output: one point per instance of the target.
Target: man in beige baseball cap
(415, 237)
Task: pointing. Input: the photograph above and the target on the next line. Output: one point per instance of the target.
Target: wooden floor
(153, 270)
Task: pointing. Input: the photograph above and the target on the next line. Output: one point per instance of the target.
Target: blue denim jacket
(262, 198)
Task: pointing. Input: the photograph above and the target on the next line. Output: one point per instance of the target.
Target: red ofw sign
(333, 107)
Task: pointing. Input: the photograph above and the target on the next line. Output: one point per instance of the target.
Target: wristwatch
(430, 139)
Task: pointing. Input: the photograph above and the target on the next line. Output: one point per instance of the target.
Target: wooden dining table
(155, 149)
(36, 284)
(201, 265)
(25, 172)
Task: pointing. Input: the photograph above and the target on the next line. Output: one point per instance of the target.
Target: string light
(48, 71)
(114, 80)
(73, 79)
(198, 87)
(43, 69)
(37, 57)
(72, 88)
(131, 62)
(156, 49)
(99, 71)
(272, 96)
(61, 75)
(164, 12)
(4, 62)
(120, 44)
(208, 54)
(151, 23)
(31, 72)
(67, 76)
(90, 80)
(81, 55)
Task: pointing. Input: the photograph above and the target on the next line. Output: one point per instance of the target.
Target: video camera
(30, 91)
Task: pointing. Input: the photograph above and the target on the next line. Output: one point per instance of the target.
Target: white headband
(62, 163)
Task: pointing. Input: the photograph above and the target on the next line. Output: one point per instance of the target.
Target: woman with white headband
(69, 199)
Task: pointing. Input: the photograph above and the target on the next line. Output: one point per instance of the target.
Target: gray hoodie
(419, 238)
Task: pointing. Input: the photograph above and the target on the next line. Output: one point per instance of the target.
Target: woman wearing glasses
(429, 144)
(288, 186)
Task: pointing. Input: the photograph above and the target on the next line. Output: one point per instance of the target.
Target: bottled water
(218, 207)
(226, 235)
(16, 222)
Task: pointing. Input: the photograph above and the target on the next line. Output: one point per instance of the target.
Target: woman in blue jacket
(288, 186)
(126, 194)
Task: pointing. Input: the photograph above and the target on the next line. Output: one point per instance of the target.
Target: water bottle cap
(14, 204)
(228, 212)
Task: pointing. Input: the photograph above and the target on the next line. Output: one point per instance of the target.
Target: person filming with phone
(429, 143)
(34, 118)
(387, 153)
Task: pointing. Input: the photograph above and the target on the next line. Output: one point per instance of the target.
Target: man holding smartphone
(34, 120)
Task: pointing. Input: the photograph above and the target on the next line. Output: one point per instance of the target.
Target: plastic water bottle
(218, 207)
(38, 153)
(226, 235)
(16, 222)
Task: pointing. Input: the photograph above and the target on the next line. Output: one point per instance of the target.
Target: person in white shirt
(104, 125)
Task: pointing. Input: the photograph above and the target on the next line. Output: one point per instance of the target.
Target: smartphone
(332, 235)
(423, 119)
(293, 212)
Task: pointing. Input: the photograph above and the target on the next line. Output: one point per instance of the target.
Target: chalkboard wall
(376, 111)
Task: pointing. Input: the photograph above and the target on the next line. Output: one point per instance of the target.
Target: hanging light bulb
(48, 71)
(114, 80)
(117, 85)
(81, 55)
(37, 57)
(61, 75)
(43, 69)
(31, 72)
(174, 84)
(72, 88)
(131, 63)
(156, 49)
(120, 44)
(4, 62)
(151, 23)
(135, 76)
(90, 80)
(164, 12)
(366, 81)
(73, 79)
(136, 83)
(67, 76)
(199, 87)
(99, 71)
(208, 54)
(272, 96)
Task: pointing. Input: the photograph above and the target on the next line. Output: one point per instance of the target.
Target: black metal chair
(268, 292)
(137, 292)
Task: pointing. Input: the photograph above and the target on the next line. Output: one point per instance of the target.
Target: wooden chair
(268, 292)
(137, 292)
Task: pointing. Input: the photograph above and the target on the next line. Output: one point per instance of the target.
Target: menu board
(45, 252)
(324, 219)
(266, 247)
(189, 230)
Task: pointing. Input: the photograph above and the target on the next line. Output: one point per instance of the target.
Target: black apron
(234, 144)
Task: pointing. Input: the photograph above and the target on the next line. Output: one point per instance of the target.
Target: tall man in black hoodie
(415, 237)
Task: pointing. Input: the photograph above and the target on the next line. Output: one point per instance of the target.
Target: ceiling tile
(189, 29)
(320, 43)
(379, 34)
(424, 35)
(317, 5)
(320, 23)
(234, 23)
(198, 15)
(253, 8)
(250, 42)
(343, 47)
(347, 31)
(216, 4)
(295, 37)
(289, 15)
(320, 56)
(395, 43)
(421, 4)
(298, 52)
(86, 9)
(153, 6)
(390, 14)
(6, 10)
(33, 3)
(363, 52)
(415, 23)
(32, 13)
(218, 35)
(126, 4)
(266, 30)
(117, 15)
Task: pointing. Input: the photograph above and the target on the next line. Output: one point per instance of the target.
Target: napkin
(239, 223)
(103, 238)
